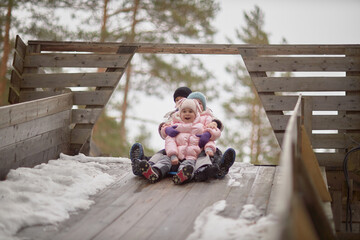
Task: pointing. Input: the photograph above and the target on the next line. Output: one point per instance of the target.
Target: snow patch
(250, 225)
(47, 193)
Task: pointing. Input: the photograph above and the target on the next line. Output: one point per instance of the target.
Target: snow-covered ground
(48, 193)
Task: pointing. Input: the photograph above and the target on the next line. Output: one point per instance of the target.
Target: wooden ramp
(131, 208)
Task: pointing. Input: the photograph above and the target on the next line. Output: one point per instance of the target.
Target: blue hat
(200, 96)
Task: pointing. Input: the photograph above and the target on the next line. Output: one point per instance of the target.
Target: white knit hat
(189, 103)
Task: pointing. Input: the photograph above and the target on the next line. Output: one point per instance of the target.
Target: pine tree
(31, 19)
(245, 106)
(156, 21)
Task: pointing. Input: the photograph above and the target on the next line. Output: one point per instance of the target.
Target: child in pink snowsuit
(185, 146)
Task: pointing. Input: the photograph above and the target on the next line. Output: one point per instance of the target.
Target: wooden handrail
(298, 198)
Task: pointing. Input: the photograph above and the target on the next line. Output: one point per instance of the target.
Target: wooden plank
(337, 209)
(15, 81)
(13, 96)
(20, 132)
(88, 115)
(334, 140)
(102, 79)
(274, 192)
(95, 98)
(274, 49)
(110, 204)
(76, 60)
(260, 192)
(312, 166)
(18, 63)
(198, 198)
(136, 211)
(79, 136)
(146, 226)
(26, 96)
(333, 160)
(297, 84)
(303, 64)
(320, 103)
(320, 122)
(302, 226)
(20, 46)
(23, 112)
(238, 195)
(12, 157)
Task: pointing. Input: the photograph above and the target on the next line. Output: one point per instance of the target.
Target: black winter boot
(227, 161)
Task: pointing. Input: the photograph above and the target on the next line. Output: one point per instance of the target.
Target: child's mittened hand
(204, 139)
(210, 153)
(175, 161)
(170, 131)
(212, 125)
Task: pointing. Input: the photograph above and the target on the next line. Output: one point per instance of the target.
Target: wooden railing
(302, 191)
(34, 132)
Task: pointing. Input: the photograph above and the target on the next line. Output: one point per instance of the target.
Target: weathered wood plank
(76, 60)
(339, 140)
(80, 135)
(136, 211)
(15, 80)
(331, 160)
(190, 207)
(124, 203)
(320, 103)
(320, 122)
(27, 95)
(95, 98)
(274, 191)
(312, 167)
(238, 195)
(20, 46)
(273, 49)
(20, 132)
(163, 208)
(12, 157)
(23, 112)
(13, 96)
(18, 63)
(102, 79)
(87, 115)
(294, 64)
(260, 192)
(297, 84)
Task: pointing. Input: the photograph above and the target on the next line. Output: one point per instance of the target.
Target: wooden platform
(131, 208)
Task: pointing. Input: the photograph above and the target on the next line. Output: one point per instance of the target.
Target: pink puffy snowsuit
(186, 144)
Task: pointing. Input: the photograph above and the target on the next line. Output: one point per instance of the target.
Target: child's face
(200, 103)
(178, 99)
(187, 115)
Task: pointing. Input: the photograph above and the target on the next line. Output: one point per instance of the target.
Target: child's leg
(204, 168)
(185, 172)
(155, 171)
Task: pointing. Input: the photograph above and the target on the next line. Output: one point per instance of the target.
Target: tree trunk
(6, 52)
(128, 76)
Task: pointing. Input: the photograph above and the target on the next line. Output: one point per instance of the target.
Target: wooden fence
(34, 132)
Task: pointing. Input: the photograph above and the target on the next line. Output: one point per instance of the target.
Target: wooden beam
(76, 60)
(320, 103)
(294, 64)
(23, 112)
(165, 48)
(55, 80)
(297, 84)
(312, 166)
